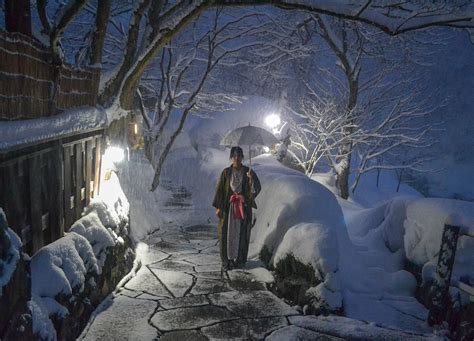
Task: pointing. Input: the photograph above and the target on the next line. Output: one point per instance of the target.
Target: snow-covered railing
(45, 186)
(33, 87)
(453, 228)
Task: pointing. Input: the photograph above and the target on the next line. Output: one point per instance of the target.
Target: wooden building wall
(31, 86)
(45, 187)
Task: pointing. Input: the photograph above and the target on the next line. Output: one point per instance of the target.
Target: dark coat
(222, 201)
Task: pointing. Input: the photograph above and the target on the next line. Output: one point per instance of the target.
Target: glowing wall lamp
(111, 156)
(272, 120)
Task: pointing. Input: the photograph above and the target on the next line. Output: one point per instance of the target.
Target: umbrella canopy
(249, 136)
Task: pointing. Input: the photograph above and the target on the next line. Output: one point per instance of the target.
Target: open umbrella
(249, 136)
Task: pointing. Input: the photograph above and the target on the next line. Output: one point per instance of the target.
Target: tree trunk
(113, 87)
(345, 162)
(72, 9)
(166, 150)
(126, 84)
(41, 8)
(18, 16)
(342, 181)
(98, 38)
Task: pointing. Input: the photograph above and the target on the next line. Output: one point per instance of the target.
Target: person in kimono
(237, 188)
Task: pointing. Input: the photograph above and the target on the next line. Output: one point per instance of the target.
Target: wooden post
(56, 200)
(88, 175)
(79, 178)
(98, 158)
(439, 290)
(67, 150)
(35, 202)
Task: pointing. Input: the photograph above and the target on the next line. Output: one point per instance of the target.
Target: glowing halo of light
(114, 154)
(272, 120)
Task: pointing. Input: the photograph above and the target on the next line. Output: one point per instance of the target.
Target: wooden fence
(442, 282)
(31, 86)
(44, 187)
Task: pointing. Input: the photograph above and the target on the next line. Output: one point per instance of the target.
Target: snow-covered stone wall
(72, 275)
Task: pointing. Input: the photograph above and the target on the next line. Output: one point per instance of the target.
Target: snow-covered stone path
(180, 293)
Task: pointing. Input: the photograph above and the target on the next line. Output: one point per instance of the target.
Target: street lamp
(272, 120)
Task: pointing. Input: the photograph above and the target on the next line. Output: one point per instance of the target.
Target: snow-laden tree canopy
(152, 24)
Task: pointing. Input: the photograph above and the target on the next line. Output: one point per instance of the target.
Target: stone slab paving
(181, 293)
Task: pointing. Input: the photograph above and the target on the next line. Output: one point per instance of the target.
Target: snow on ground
(424, 226)
(299, 215)
(359, 246)
(369, 192)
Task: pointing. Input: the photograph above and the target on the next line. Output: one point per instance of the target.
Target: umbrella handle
(250, 159)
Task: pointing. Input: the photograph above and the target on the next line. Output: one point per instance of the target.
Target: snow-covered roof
(77, 120)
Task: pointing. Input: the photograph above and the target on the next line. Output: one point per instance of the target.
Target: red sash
(237, 200)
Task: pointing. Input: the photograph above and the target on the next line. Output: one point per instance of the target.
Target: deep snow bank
(300, 216)
(410, 229)
(424, 226)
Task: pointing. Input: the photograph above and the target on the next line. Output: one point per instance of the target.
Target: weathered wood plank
(55, 194)
(88, 157)
(78, 148)
(67, 151)
(98, 157)
(35, 202)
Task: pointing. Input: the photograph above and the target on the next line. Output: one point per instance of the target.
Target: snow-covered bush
(99, 237)
(10, 246)
(72, 274)
(61, 266)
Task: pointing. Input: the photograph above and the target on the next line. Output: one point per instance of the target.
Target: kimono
(222, 199)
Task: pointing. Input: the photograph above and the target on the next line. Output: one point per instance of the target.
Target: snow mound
(10, 255)
(358, 269)
(59, 267)
(424, 226)
(301, 217)
(91, 228)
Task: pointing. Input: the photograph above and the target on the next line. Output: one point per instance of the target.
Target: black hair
(236, 150)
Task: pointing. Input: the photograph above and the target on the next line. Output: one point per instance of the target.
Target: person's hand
(249, 174)
(219, 213)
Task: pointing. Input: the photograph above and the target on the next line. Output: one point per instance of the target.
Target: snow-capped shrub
(314, 246)
(100, 238)
(59, 267)
(10, 245)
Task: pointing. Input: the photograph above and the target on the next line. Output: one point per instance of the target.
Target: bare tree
(155, 23)
(396, 124)
(316, 131)
(183, 72)
(377, 113)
